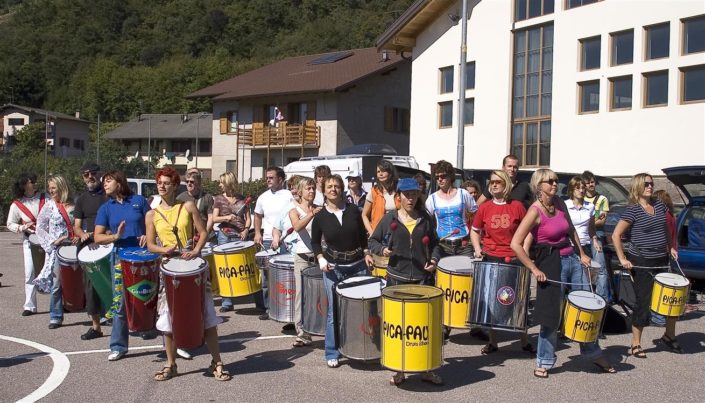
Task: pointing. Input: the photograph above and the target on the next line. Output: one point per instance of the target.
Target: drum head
(456, 264)
(587, 300)
(33, 239)
(207, 250)
(411, 292)
(380, 261)
(181, 267)
(268, 254)
(233, 246)
(90, 255)
(672, 279)
(364, 291)
(137, 255)
(68, 253)
(282, 261)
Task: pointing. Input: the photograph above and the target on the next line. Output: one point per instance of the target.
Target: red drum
(185, 285)
(140, 278)
(72, 285)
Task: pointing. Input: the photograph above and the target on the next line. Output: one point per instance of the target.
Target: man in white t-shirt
(268, 209)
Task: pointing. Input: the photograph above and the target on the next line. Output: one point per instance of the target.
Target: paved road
(267, 368)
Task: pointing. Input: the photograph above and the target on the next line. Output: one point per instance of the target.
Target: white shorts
(210, 319)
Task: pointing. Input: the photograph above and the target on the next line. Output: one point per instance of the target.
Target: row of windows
(15, 121)
(77, 144)
(655, 93)
(447, 76)
(656, 43)
(524, 9)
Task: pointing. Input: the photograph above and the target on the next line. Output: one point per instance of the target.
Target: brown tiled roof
(294, 75)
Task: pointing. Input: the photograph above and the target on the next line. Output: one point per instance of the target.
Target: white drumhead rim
(283, 259)
(672, 279)
(366, 291)
(88, 255)
(68, 253)
(267, 253)
(179, 267)
(233, 246)
(454, 264)
(586, 300)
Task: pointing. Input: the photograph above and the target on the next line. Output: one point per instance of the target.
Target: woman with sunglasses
(548, 224)
(22, 219)
(494, 224)
(646, 256)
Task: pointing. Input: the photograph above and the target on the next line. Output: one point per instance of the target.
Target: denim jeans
(339, 273)
(120, 332)
(572, 271)
(56, 303)
(602, 287)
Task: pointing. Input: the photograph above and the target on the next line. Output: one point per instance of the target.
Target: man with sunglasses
(203, 200)
(86, 209)
(520, 190)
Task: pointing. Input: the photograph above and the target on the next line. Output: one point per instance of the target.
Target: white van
(148, 189)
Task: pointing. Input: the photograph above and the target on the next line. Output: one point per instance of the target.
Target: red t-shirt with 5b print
(497, 224)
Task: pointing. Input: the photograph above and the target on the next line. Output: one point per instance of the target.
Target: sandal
(489, 349)
(529, 348)
(638, 352)
(397, 379)
(168, 372)
(605, 368)
(218, 372)
(298, 343)
(670, 343)
(432, 378)
(541, 373)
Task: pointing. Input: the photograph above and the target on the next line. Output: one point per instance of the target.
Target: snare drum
(96, 261)
(209, 257)
(499, 296)
(379, 269)
(412, 335)
(282, 288)
(314, 302)
(357, 319)
(72, 285)
(454, 277)
(238, 275)
(38, 254)
(140, 277)
(669, 294)
(185, 286)
(582, 316)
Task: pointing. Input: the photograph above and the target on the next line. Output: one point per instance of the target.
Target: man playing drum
(173, 222)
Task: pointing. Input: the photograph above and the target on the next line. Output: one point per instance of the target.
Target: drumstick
(289, 231)
(454, 232)
(393, 227)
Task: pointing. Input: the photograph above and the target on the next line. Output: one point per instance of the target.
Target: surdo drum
(140, 274)
(582, 316)
(96, 260)
(314, 301)
(499, 296)
(357, 319)
(209, 257)
(72, 286)
(669, 294)
(379, 269)
(282, 288)
(238, 275)
(454, 277)
(185, 287)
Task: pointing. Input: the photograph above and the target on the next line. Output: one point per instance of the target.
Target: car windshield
(695, 189)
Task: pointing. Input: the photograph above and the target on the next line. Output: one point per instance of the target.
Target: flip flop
(541, 373)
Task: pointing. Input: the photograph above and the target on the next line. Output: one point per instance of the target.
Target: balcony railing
(283, 136)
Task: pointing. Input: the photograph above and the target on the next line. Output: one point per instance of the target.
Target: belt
(307, 257)
(345, 256)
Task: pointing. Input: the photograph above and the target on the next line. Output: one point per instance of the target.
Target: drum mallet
(248, 200)
(388, 237)
(288, 232)
(454, 232)
(425, 241)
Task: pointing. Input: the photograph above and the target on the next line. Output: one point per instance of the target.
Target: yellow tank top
(410, 225)
(184, 227)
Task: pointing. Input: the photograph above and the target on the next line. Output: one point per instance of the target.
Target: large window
(396, 120)
(469, 75)
(693, 84)
(232, 121)
(657, 37)
(589, 93)
(622, 47)
(524, 9)
(445, 114)
(231, 166)
(78, 144)
(578, 3)
(532, 95)
(469, 112)
(204, 147)
(656, 88)
(694, 35)
(621, 93)
(590, 53)
(15, 122)
(446, 76)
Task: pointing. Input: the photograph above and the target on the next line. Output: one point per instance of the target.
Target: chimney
(78, 115)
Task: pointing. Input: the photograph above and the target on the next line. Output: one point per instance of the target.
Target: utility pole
(46, 145)
(460, 157)
(149, 146)
(98, 142)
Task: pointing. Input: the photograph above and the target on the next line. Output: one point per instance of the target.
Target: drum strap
(67, 220)
(174, 228)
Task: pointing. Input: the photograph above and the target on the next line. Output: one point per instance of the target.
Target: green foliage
(252, 188)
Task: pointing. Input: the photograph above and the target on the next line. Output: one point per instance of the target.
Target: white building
(615, 86)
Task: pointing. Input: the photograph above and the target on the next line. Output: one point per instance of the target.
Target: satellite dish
(137, 154)
(188, 153)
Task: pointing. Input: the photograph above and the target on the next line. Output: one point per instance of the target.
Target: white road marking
(58, 372)
(159, 346)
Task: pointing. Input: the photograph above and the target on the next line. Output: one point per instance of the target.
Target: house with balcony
(308, 106)
(182, 140)
(67, 135)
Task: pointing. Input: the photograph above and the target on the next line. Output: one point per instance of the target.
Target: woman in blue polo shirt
(123, 216)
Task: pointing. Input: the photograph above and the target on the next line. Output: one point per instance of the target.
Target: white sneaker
(116, 355)
(183, 354)
(333, 363)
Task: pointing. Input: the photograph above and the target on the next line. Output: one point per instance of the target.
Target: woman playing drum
(175, 228)
(341, 225)
(496, 222)
(412, 248)
(548, 223)
(646, 255)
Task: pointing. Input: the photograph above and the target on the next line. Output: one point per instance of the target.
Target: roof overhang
(401, 35)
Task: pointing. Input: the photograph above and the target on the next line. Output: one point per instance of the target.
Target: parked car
(691, 220)
(148, 189)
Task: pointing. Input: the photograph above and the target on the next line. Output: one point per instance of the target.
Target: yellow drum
(237, 272)
(582, 316)
(669, 294)
(455, 277)
(380, 267)
(207, 255)
(412, 335)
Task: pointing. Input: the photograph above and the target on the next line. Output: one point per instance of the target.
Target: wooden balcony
(286, 136)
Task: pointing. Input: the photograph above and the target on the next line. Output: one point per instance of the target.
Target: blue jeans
(120, 332)
(572, 271)
(56, 302)
(602, 287)
(330, 278)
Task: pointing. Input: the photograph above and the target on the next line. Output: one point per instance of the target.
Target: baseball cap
(90, 166)
(407, 184)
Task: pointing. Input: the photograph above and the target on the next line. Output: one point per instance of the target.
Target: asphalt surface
(267, 368)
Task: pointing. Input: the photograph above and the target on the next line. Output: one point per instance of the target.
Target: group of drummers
(382, 275)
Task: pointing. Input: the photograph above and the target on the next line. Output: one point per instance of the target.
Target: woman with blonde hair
(646, 255)
(54, 227)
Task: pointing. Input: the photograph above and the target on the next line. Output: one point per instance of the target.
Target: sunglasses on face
(648, 184)
(550, 182)
(89, 173)
(497, 182)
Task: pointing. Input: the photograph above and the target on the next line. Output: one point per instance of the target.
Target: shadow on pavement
(20, 359)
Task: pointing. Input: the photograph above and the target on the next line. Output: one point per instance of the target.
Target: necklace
(550, 209)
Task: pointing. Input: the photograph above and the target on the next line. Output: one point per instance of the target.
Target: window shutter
(223, 123)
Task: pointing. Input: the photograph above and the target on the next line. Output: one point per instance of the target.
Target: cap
(407, 184)
(354, 174)
(90, 166)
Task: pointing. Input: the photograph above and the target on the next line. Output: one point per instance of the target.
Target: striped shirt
(649, 237)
